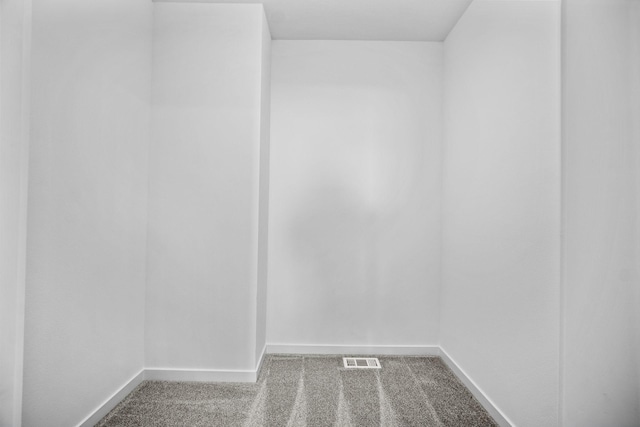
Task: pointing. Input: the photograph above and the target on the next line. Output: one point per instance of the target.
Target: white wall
(15, 27)
(87, 205)
(601, 117)
(354, 220)
(263, 220)
(501, 238)
(204, 186)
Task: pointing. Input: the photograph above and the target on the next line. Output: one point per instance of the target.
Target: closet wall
(87, 205)
(601, 168)
(15, 27)
(354, 253)
(501, 215)
(207, 155)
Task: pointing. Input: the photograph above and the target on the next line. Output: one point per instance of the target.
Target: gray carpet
(310, 391)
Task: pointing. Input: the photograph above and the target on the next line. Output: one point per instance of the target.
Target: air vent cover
(361, 363)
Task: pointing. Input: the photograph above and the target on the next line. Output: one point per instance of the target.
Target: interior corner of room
(187, 187)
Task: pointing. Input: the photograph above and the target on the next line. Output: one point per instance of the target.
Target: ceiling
(424, 20)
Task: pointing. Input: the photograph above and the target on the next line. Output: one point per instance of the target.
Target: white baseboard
(368, 350)
(200, 375)
(206, 375)
(259, 362)
(248, 376)
(477, 392)
(112, 401)
(169, 374)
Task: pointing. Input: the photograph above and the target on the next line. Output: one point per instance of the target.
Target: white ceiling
(426, 20)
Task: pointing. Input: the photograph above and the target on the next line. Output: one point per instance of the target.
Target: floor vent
(361, 363)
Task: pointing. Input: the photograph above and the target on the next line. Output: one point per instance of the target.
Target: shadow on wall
(335, 246)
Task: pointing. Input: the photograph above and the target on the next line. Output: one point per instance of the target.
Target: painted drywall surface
(501, 209)
(601, 122)
(354, 219)
(263, 185)
(203, 186)
(86, 205)
(15, 26)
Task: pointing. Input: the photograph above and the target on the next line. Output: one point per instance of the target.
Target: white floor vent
(361, 363)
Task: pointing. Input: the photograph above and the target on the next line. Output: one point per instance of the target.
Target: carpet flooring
(310, 391)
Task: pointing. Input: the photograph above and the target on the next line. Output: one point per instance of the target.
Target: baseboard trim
(259, 362)
(112, 401)
(477, 392)
(368, 350)
(200, 375)
(249, 376)
(168, 374)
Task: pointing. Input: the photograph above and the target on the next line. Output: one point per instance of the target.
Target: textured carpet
(311, 391)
